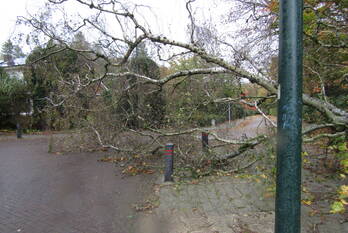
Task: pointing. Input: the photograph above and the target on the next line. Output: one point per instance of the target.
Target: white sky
(9, 10)
(166, 17)
(171, 15)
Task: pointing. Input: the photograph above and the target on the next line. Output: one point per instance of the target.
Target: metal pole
(205, 141)
(288, 194)
(19, 130)
(229, 113)
(169, 162)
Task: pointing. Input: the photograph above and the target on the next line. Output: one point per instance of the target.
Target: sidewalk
(223, 205)
(239, 204)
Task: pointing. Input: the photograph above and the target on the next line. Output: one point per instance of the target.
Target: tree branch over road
(116, 72)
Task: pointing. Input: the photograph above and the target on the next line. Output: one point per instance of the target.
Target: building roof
(17, 62)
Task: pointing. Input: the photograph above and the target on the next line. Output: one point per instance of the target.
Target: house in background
(14, 68)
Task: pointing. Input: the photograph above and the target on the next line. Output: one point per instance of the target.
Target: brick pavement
(225, 205)
(216, 206)
(48, 193)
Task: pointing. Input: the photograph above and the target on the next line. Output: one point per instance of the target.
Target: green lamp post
(288, 192)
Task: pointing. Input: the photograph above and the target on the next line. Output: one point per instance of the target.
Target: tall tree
(245, 53)
(9, 52)
(14, 99)
(59, 72)
(144, 104)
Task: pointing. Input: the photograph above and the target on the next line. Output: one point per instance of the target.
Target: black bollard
(205, 141)
(168, 157)
(18, 130)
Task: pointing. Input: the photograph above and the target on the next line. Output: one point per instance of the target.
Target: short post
(169, 162)
(18, 130)
(229, 113)
(205, 141)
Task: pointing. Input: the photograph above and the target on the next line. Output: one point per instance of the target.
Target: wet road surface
(72, 193)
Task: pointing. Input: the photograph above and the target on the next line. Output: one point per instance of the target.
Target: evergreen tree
(14, 99)
(144, 104)
(44, 75)
(10, 52)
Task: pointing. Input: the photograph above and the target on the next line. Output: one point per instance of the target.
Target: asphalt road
(72, 193)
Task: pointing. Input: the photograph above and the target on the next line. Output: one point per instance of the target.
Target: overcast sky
(8, 15)
(166, 17)
(170, 15)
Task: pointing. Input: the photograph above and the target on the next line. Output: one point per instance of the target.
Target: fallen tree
(116, 47)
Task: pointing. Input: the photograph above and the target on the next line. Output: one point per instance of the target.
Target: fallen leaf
(194, 182)
(306, 202)
(344, 202)
(337, 207)
(313, 213)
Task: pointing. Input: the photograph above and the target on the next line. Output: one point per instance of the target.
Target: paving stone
(47, 193)
(227, 205)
